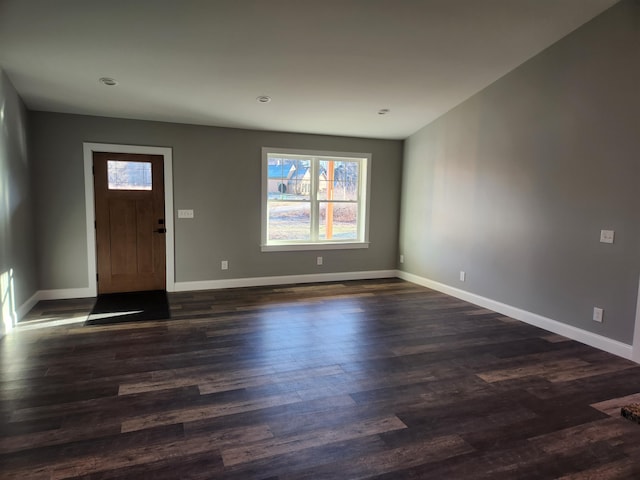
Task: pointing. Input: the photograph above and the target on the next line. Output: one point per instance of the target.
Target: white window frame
(363, 202)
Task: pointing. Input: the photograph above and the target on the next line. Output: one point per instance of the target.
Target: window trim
(364, 177)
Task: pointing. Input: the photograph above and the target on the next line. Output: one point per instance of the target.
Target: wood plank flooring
(379, 379)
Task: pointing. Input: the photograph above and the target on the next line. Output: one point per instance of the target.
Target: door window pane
(129, 175)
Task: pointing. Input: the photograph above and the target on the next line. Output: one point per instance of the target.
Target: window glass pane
(338, 180)
(288, 178)
(338, 221)
(129, 175)
(289, 220)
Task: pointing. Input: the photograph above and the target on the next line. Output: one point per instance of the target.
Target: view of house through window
(313, 198)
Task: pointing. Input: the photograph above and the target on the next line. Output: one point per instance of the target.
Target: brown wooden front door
(130, 229)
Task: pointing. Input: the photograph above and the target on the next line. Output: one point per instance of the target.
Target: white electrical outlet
(463, 276)
(185, 213)
(319, 261)
(606, 236)
(224, 265)
(597, 314)
(401, 258)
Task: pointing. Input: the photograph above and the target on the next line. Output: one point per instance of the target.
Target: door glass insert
(129, 175)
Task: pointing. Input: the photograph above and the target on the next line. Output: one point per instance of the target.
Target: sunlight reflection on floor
(49, 322)
(7, 301)
(57, 322)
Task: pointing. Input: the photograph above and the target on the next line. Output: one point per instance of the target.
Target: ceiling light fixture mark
(110, 82)
(263, 99)
(383, 111)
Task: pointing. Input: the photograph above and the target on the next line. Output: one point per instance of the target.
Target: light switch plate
(597, 314)
(185, 213)
(606, 236)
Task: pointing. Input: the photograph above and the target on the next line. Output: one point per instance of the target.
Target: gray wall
(514, 185)
(17, 250)
(217, 172)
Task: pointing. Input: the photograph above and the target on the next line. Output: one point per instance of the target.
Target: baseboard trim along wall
(58, 294)
(67, 293)
(283, 280)
(574, 333)
(26, 307)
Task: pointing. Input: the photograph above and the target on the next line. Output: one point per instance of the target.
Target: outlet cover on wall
(401, 258)
(224, 265)
(185, 213)
(597, 314)
(606, 236)
(463, 275)
(319, 261)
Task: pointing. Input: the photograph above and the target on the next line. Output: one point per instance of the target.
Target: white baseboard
(283, 280)
(58, 294)
(22, 310)
(598, 341)
(26, 307)
(66, 293)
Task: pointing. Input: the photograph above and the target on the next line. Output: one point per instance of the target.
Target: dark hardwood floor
(371, 379)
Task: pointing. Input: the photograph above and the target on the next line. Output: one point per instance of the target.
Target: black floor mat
(129, 307)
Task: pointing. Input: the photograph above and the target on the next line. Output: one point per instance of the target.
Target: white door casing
(167, 153)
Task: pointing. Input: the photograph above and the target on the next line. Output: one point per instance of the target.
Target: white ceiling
(329, 65)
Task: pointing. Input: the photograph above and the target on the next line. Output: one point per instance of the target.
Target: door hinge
(93, 169)
(97, 277)
(95, 224)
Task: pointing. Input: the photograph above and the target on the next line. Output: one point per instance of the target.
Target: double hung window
(314, 200)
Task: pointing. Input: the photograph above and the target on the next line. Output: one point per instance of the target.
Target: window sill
(314, 246)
